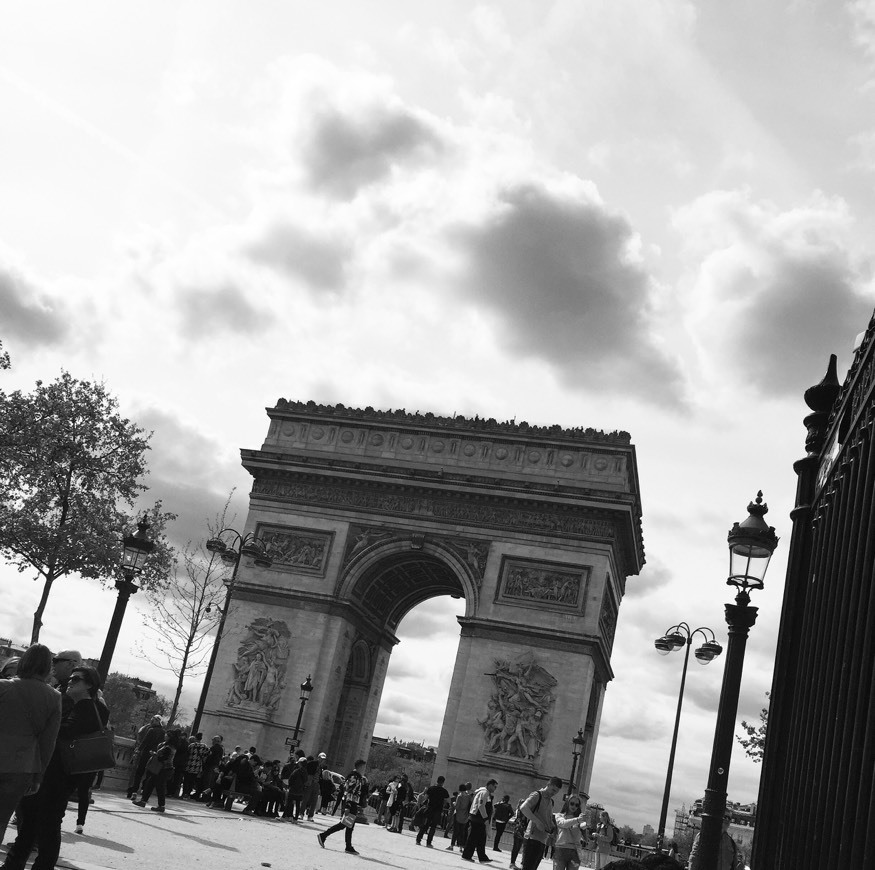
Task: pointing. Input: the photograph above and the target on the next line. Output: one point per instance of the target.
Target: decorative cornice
(458, 422)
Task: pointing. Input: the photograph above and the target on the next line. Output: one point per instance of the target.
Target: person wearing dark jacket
(30, 715)
(297, 778)
(158, 771)
(500, 817)
(149, 738)
(40, 815)
(211, 767)
(353, 802)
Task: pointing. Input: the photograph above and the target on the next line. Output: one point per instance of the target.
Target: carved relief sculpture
(517, 714)
(291, 547)
(554, 586)
(260, 668)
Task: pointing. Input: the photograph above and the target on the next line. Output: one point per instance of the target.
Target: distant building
(741, 827)
(8, 649)
(648, 830)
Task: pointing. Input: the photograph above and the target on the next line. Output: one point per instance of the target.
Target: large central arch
(369, 514)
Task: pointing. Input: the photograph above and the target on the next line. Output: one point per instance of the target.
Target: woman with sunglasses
(40, 815)
(569, 824)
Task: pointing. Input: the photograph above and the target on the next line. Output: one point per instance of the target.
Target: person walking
(40, 815)
(569, 824)
(353, 801)
(30, 715)
(728, 855)
(500, 817)
(149, 738)
(159, 770)
(538, 809)
(461, 811)
(435, 796)
(519, 825)
(478, 818)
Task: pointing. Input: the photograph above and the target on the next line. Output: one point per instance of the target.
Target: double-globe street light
(137, 548)
(246, 545)
(677, 636)
(751, 544)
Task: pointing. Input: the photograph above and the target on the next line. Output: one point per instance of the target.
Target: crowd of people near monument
(47, 701)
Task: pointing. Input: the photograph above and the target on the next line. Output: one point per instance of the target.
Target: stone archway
(370, 513)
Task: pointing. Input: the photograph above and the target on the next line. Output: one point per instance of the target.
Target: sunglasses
(58, 661)
(77, 679)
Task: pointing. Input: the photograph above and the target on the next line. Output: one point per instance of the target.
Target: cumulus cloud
(195, 490)
(653, 577)
(563, 275)
(774, 292)
(27, 314)
(319, 259)
(227, 308)
(347, 129)
(344, 152)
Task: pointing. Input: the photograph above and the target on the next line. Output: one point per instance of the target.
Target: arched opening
(410, 596)
(426, 653)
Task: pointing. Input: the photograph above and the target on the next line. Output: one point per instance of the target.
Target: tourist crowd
(47, 702)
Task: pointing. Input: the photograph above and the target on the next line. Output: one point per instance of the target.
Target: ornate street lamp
(751, 544)
(677, 636)
(306, 688)
(578, 742)
(137, 548)
(248, 545)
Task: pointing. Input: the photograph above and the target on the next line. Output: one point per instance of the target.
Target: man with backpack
(538, 809)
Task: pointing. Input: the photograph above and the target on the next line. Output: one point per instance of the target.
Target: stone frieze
(423, 505)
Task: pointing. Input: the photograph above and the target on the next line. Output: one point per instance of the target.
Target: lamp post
(306, 688)
(246, 545)
(577, 744)
(677, 636)
(136, 548)
(751, 544)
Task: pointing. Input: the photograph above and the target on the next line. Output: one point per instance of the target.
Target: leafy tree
(755, 741)
(186, 613)
(69, 465)
(128, 710)
(5, 362)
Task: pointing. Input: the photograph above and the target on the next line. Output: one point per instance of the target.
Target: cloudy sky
(642, 216)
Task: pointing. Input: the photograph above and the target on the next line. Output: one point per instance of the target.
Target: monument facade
(367, 514)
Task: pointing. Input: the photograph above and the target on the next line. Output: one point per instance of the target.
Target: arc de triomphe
(370, 513)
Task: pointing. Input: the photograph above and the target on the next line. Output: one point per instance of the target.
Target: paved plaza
(120, 835)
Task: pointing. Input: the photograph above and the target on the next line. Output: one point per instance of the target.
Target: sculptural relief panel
(544, 585)
(517, 717)
(301, 549)
(260, 669)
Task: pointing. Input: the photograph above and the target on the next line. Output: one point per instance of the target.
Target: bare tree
(185, 614)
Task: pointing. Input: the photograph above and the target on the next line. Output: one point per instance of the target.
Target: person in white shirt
(478, 818)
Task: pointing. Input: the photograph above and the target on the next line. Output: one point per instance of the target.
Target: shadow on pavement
(212, 844)
(72, 839)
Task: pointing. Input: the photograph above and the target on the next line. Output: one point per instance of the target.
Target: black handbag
(89, 752)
